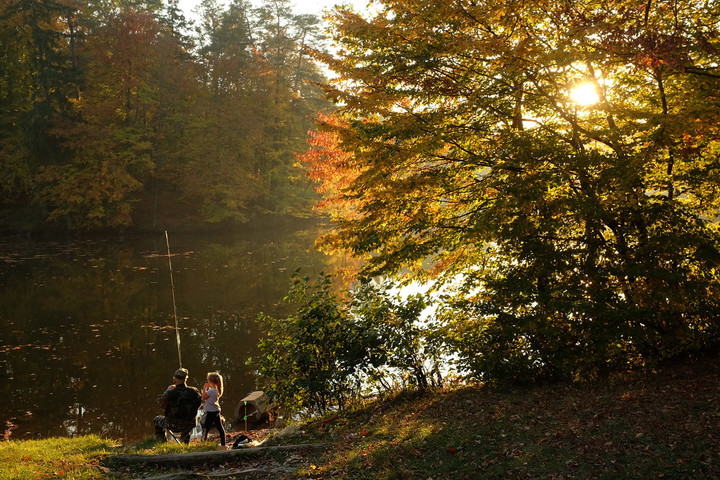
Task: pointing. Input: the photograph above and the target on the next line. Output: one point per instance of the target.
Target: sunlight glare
(584, 94)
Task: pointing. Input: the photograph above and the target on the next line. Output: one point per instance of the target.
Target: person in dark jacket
(181, 404)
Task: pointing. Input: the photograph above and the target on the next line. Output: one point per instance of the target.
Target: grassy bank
(660, 425)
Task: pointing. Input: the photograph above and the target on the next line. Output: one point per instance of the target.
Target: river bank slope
(662, 424)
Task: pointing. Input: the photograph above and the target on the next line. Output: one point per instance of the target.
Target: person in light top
(212, 391)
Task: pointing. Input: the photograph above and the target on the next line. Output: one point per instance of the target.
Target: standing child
(212, 391)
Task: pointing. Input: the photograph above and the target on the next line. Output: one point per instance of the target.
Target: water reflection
(87, 336)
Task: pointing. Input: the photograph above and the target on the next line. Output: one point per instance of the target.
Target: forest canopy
(556, 163)
(116, 113)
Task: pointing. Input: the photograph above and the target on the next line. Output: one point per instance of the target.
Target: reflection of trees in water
(86, 330)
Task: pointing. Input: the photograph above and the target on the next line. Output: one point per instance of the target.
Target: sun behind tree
(584, 94)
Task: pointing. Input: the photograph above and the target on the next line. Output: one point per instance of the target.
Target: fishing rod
(172, 285)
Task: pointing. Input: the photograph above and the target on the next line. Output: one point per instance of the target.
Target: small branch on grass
(205, 458)
(248, 473)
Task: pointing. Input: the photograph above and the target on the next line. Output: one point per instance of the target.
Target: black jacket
(181, 404)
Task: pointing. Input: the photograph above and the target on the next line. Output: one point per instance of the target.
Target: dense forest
(125, 113)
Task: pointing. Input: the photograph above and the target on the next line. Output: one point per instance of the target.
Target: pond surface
(87, 337)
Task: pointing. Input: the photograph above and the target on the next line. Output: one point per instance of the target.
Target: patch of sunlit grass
(72, 458)
(79, 458)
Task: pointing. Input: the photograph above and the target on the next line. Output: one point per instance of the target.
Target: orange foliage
(330, 166)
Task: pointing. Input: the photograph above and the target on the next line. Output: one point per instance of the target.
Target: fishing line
(172, 285)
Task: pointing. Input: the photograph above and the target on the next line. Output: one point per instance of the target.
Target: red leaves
(327, 161)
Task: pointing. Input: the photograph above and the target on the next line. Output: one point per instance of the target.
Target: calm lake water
(87, 339)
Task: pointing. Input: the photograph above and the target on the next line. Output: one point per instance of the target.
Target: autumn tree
(16, 177)
(109, 142)
(291, 98)
(215, 168)
(38, 77)
(174, 78)
(251, 117)
(581, 227)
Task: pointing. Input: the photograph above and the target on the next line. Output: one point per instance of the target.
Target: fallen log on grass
(249, 474)
(206, 458)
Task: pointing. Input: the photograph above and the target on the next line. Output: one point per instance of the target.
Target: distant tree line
(116, 113)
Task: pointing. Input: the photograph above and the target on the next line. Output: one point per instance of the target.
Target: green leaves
(401, 335)
(304, 362)
(329, 352)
